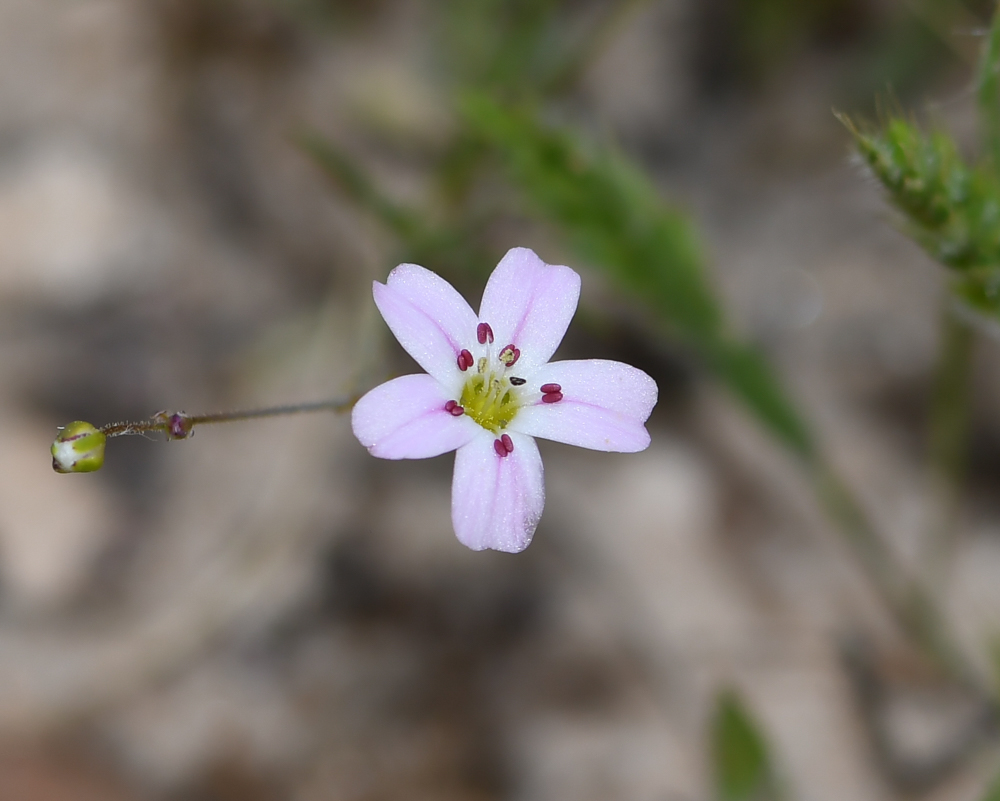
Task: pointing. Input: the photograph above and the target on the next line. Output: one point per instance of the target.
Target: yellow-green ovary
(489, 401)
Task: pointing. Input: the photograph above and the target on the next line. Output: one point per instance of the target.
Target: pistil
(509, 355)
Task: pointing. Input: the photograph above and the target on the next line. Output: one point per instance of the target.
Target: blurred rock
(69, 230)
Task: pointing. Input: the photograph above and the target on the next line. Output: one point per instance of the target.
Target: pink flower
(490, 388)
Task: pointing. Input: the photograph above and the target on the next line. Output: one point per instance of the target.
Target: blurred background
(195, 196)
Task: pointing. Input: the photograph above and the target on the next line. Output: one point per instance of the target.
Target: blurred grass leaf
(740, 762)
(520, 49)
(981, 294)
(988, 94)
(614, 220)
(993, 792)
(506, 47)
(353, 182)
(993, 644)
(767, 32)
(452, 248)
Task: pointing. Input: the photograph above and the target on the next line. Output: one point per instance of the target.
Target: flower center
(489, 397)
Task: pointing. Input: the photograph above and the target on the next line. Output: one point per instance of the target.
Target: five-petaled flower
(491, 388)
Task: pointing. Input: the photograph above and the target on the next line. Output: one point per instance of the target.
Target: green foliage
(752, 380)
(353, 182)
(953, 210)
(507, 47)
(518, 50)
(512, 55)
(614, 220)
(768, 31)
(610, 214)
(988, 94)
(993, 792)
(453, 248)
(980, 293)
(906, 55)
(741, 765)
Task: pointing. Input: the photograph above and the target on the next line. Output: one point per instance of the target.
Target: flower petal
(496, 501)
(604, 406)
(529, 303)
(429, 318)
(405, 419)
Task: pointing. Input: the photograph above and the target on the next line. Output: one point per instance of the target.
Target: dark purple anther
(510, 355)
(457, 411)
(550, 388)
(498, 446)
(508, 443)
(484, 333)
(552, 397)
(465, 360)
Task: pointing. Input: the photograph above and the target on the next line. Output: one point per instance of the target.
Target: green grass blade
(615, 221)
(988, 93)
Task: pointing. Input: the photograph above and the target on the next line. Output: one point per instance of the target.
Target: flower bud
(176, 425)
(79, 448)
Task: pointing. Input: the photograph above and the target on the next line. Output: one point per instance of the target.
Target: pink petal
(405, 419)
(529, 303)
(496, 501)
(604, 406)
(429, 318)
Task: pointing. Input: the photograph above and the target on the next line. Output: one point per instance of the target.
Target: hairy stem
(166, 422)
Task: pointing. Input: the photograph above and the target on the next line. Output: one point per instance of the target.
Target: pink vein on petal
(428, 316)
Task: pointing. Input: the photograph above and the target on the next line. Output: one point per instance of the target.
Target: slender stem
(336, 405)
(178, 425)
(988, 94)
(949, 419)
(129, 428)
(868, 547)
(913, 607)
(949, 433)
(913, 602)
